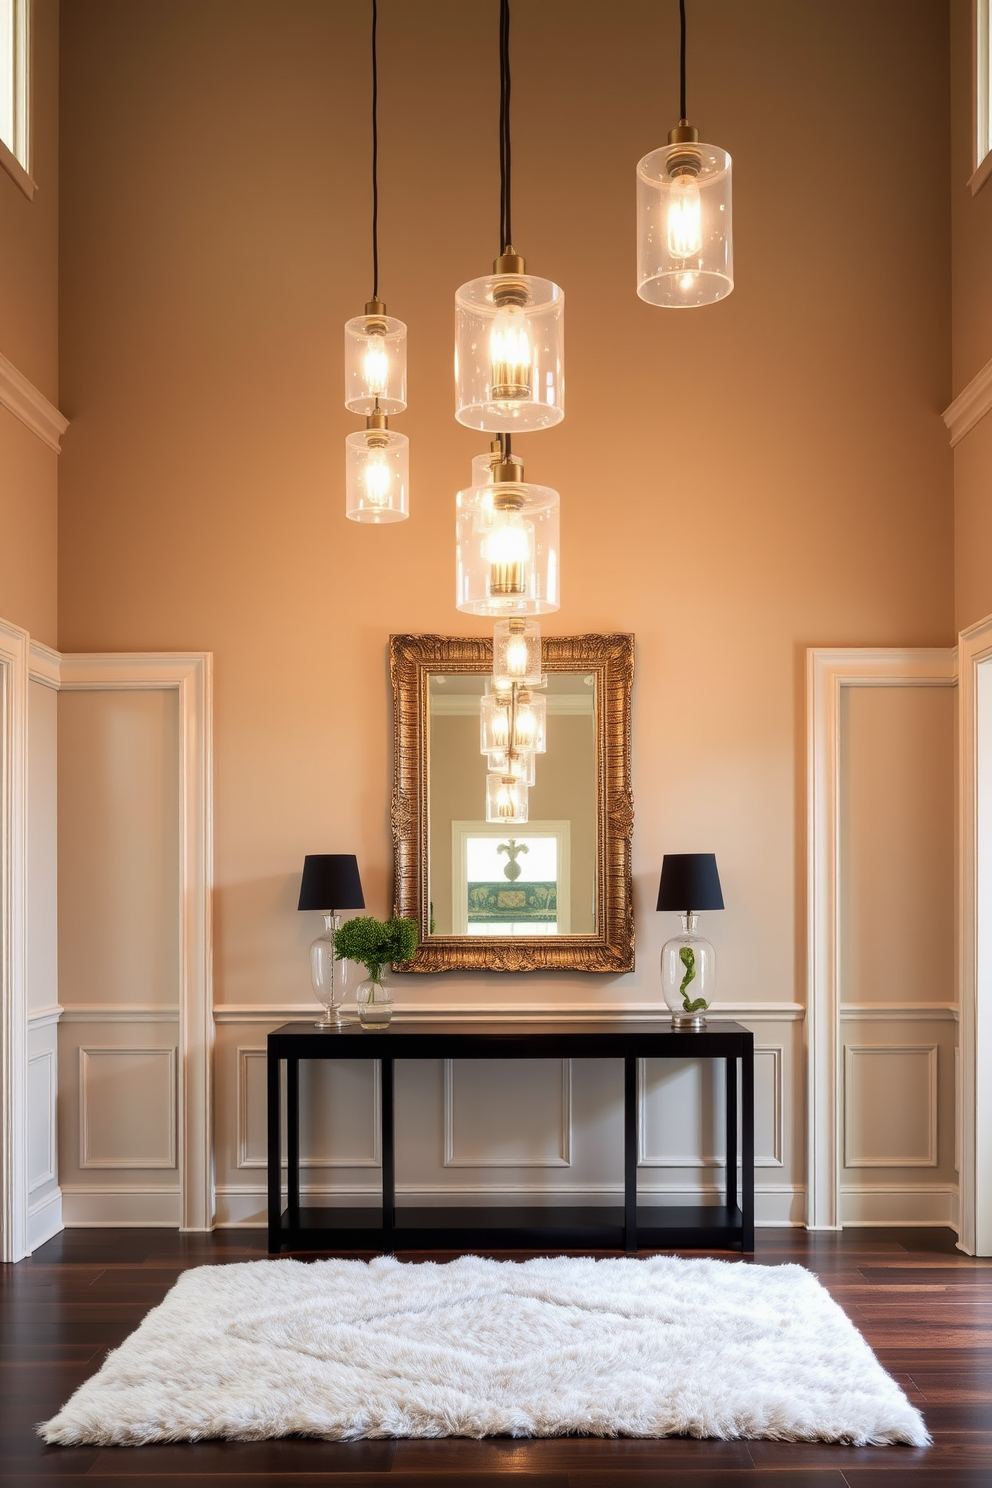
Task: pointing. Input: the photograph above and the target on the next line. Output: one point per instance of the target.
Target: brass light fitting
(687, 161)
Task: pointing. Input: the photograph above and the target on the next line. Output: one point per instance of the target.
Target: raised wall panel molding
(21, 398)
(44, 665)
(772, 1159)
(88, 1157)
(970, 406)
(463, 1159)
(974, 1092)
(13, 989)
(900, 1012)
(248, 1159)
(190, 675)
(43, 1017)
(109, 1012)
(41, 1092)
(856, 1150)
(750, 1012)
(827, 672)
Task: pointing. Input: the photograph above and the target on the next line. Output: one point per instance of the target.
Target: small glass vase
(375, 1002)
(688, 972)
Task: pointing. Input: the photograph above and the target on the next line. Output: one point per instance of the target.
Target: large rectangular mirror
(554, 892)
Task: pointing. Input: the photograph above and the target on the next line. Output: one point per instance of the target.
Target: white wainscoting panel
(127, 1107)
(42, 1151)
(507, 1113)
(890, 1105)
(340, 1115)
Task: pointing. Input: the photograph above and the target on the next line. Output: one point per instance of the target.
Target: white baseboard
(904, 1205)
(44, 1220)
(120, 1208)
(245, 1206)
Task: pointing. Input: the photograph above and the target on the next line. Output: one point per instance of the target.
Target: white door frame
(191, 676)
(14, 644)
(975, 937)
(827, 672)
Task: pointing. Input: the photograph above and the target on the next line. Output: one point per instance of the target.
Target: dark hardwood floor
(925, 1309)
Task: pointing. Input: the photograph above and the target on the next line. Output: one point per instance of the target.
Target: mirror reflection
(512, 878)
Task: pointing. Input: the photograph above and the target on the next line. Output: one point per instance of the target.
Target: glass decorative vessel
(688, 973)
(375, 1002)
(329, 978)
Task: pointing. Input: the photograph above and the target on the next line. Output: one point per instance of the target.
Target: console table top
(591, 1037)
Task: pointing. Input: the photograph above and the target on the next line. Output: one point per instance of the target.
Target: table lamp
(689, 882)
(330, 883)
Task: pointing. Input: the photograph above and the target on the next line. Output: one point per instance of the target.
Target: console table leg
(747, 1149)
(293, 1139)
(731, 1178)
(630, 1155)
(388, 1146)
(274, 1155)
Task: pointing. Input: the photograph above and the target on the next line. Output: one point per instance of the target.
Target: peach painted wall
(29, 339)
(971, 238)
(737, 484)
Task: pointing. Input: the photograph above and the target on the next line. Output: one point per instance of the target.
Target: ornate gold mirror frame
(610, 659)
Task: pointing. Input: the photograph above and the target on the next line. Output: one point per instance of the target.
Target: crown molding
(970, 406)
(21, 398)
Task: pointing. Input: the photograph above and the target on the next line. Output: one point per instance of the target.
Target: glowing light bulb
(510, 354)
(516, 657)
(525, 727)
(375, 367)
(685, 231)
(509, 553)
(377, 479)
(506, 799)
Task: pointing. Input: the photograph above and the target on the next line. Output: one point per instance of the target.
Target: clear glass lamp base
(328, 977)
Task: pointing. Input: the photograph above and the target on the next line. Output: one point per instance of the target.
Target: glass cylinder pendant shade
(509, 353)
(520, 763)
(377, 476)
(506, 799)
(516, 654)
(494, 715)
(529, 718)
(374, 364)
(685, 251)
(506, 537)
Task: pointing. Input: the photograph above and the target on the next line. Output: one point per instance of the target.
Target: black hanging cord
(505, 230)
(375, 158)
(682, 112)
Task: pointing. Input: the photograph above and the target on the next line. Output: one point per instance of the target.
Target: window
(15, 52)
(510, 883)
(982, 95)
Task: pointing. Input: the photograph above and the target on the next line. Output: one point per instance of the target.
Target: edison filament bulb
(684, 229)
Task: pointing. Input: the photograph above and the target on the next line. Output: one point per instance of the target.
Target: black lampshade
(331, 881)
(689, 881)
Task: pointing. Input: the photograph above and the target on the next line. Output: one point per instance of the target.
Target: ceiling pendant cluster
(377, 460)
(509, 379)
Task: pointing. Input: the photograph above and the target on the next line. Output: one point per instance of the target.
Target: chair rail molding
(14, 644)
(190, 674)
(974, 1095)
(21, 398)
(828, 671)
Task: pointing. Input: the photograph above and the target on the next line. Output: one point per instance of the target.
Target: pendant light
(509, 326)
(506, 536)
(685, 251)
(377, 461)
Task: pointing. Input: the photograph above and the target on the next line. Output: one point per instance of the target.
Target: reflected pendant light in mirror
(685, 250)
(377, 460)
(509, 326)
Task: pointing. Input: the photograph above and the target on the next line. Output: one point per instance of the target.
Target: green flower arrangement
(375, 943)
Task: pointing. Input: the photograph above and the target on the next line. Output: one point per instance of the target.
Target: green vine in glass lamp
(688, 958)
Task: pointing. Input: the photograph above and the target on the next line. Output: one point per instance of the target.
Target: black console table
(392, 1227)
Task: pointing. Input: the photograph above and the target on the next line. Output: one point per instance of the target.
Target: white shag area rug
(350, 1349)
